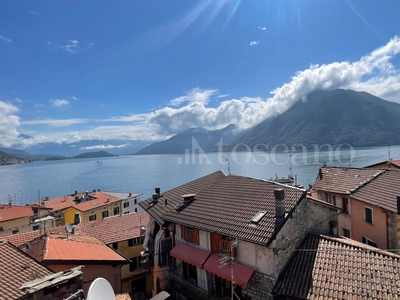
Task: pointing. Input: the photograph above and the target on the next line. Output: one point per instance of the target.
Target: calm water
(140, 174)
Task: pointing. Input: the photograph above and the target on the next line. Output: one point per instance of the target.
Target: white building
(130, 201)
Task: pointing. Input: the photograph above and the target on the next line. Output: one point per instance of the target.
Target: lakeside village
(217, 237)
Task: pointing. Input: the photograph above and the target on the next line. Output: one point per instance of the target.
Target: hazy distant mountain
(96, 154)
(330, 117)
(206, 139)
(7, 159)
(15, 152)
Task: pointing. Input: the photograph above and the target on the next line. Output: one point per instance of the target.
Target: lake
(141, 174)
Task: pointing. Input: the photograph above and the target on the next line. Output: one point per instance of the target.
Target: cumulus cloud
(102, 147)
(262, 28)
(373, 73)
(55, 122)
(3, 38)
(254, 43)
(59, 103)
(196, 95)
(9, 123)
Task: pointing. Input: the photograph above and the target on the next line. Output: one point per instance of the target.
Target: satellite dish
(100, 289)
(69, 228)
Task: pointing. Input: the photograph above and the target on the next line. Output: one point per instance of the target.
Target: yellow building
(16, 218)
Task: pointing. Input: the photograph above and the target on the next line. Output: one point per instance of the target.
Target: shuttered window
(368, 215)
(214, 238)
(190, 234)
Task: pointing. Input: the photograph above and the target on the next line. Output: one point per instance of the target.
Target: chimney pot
(130, 195)
(165, 201)
(76, 192)
(279, 202)
(157, 190)
(155, 197)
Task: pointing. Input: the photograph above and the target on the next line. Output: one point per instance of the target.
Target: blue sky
(145, 70)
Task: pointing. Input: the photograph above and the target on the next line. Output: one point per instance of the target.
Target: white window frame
(372, 215)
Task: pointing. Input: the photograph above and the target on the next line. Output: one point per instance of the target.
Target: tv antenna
(229, 166)
(224, 261)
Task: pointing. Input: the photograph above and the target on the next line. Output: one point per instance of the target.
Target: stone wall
(393, 231)
(260, 286)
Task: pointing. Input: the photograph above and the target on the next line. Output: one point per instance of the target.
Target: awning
(241, 273)
(190, 255)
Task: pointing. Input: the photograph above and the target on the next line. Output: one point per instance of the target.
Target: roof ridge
(365, 182)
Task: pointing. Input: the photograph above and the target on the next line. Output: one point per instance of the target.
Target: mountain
(15, 152)
(96, 154)
(330, 117)
(206, 139)
(6, 159)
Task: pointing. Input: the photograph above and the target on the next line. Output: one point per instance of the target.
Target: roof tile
(12, 212)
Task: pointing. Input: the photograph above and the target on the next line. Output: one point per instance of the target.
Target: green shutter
(368, 215)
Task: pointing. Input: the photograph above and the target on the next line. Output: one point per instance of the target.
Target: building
(24, 278)
(197, 228)
(369, 202)
(59, 253)
(130, 201)
(99, 203)
(326, 267)
(392, 164)
(17, 218)
(101, 207)
(124, 234)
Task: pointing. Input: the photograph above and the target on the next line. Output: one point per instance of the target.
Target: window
(115, 246)
(368, 242)
(126, 204)
(1, 228)
(136, 263)
(189, 272)
(130, 243)
(190, 234)
(345, 205)
(36, 227)
(346, 232)
(104, 214)
(135, 201)
(368, 215)
(15, 231)
(92, 218)
(334, 199)
(127, 212)
(135, 209)
(328, 198)
(116, 210)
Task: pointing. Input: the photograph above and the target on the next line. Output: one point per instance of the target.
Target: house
(369, 202)
(207, 230)
(124, 234)
(17, 218)
(391, 164)
(327, 267)
(24, 278)
(130, 201)
(101, 204)
(61, 252)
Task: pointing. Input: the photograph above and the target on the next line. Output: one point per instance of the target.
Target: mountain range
(322, 117)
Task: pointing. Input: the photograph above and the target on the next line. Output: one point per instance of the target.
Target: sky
(146, 70)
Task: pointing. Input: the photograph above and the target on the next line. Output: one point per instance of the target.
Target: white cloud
(195, 95)
(131, 118)
(18, 100)
(101, 147)
(262, 28)
(3, 38)
(9, 123)
(74, 98)
(55, 123)
(74, 47)
(34, 13)
(254, 43)
(59, 103)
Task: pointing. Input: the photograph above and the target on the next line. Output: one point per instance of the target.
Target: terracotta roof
(228, 206)
(101, 200)
(76, 248)
(395, 163)
(16, 269)
(115, 229)
(67, 201)
(20, 239)
(339, 268)
(382, 191)
(15, 212)
(344, 180)
(125, 296)
(174, 195)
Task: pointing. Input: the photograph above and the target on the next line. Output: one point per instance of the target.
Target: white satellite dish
(100, 289)
(69, 227)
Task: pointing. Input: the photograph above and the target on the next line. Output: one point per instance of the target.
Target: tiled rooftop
(339, 268)
(382, 191)
(15, 212)
(16, 269)
(101, 200)
(115, 229)
(20, 239)
(227, 207)
(125, 296)
(75, 248)
(174, 195)
(344, 180)
(393, 163)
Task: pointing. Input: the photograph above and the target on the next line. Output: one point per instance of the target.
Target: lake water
(141, 174)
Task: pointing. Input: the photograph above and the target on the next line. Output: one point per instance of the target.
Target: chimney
(280, 202)
(155, 198)
(108, 200)
(333, 228)
(94, 191)
(165, 202)
(320, 174)
(130, 195)
(157, 190)
(76, 192)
